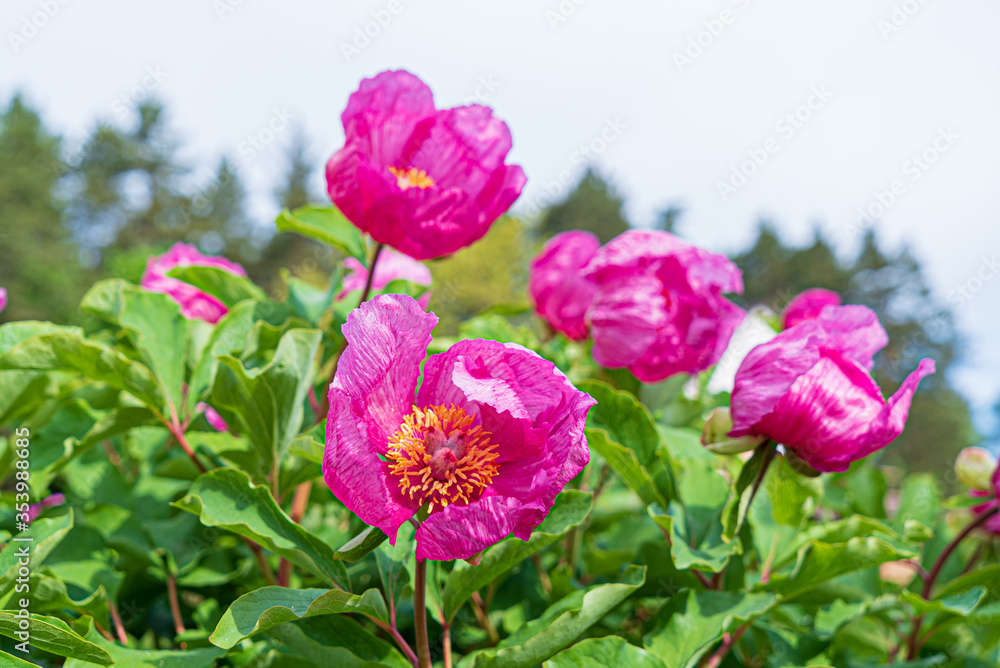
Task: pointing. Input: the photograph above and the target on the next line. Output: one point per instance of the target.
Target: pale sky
(666, 98)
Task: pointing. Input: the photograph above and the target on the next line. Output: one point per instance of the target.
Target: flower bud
(974, 468)
(715, 435)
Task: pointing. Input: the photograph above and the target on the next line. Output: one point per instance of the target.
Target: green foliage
(192, 547)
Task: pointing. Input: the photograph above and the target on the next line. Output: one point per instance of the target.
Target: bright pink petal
(532, 411)
(195, 304)
(355, 473)
(391, 124)
(853, 330)
(835, 414)
(459, 532)
(3, 299)
(387, 339)
(807, 305)
(625, 318)
(556, 284)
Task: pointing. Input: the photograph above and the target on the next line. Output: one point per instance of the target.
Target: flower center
(441, 458)
(412, 178)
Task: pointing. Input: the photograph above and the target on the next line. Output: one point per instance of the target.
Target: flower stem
(116, 620)
(299, 501)
(420, 614)
(446, 641)
(175, 608)
(175, 430)
(914, 643)
(728, 641)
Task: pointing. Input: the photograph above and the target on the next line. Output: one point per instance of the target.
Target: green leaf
(558, 626)
(819, 562)
(338, 641)
(606, 652)
(570, 509)
(987, 575)
(690, 623)
(625, 464)
(69, 351)
(266, 404)
(790, 493)
(228, 288)
(957, 604)
(268, 607)
(53, 635)
(308, 300)
(324, 224)
(227, 498)
(45, 535)
(736, 511)
(155, 324)
(124, 657)
(11, 661)
(361, 545)
(308, 448)
(712, 556)
(395, 563)
(115, 422)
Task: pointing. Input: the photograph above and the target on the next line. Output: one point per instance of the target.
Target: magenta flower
(195, 304)
(425, 181)
(3, 299)
(391, 266)
(215, 421)
(491, 437)
(561, 293)
(810, 389)
(992, 525)
(659, 308)
(51, 501)
(807, 305)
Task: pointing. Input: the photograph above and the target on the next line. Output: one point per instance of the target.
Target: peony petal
(459, 532)
(354, 472)
(556, 284)
(807, 305)
(835, 414)
(387, 339)
(853, 330)
(530, 408)
(625, 319)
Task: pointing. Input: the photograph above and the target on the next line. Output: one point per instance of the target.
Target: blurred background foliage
(71, 217)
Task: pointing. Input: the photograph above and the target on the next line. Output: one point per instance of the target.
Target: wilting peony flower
(659, 308)
(3, 299)
(807, 305)
(215, 421)
(391, 266)
(561, 293)
(491, 437)
(194, 303)
(810, 389)
(425, 181)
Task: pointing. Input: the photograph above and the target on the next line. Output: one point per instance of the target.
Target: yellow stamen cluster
(412, 178)
(441, 458)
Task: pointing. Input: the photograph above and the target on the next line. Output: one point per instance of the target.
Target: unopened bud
(975, 467)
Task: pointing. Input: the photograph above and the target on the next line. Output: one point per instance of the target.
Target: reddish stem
(175, 608)
(116, 620)
(728, 641)
(299, 501)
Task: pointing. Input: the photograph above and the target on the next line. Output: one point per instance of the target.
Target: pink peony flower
(810, 389)
(51, 501)
(425, 181)
(807, 305)
(484, 446)
(215, 421)
(3, 299)
(194, 303)
(561, 293)
(391, 266)
(659, 308)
